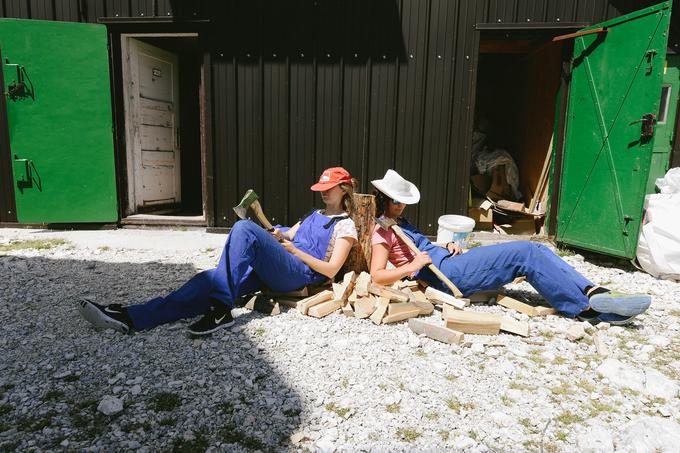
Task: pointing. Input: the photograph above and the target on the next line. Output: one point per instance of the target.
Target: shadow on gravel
(178, 393)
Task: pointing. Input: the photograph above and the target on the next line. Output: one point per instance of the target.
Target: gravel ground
(290, 382)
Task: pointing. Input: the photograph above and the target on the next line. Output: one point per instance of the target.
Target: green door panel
(616, 79)
(58, 97)
(663, 136)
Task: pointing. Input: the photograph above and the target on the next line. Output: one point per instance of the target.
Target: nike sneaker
(113, 316)
(217, 318)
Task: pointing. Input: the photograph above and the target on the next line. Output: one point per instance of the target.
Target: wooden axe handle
(407, 240)
(260, 216)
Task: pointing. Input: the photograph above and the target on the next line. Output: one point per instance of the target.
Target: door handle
(648, 121)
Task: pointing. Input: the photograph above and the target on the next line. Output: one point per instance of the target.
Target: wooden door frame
(558, 145)
(131, 170)
(8, 210)
(116, 31)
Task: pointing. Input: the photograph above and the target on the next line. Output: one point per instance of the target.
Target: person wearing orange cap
(284, 260)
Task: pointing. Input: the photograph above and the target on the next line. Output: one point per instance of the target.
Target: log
(443, 298)
(513, 326)
(400, 307)
(406, 314)
(509, 302)
(305, 304)
(380, 309)
(435, 332)
(544, 311)
(474, 323)
(325, 308)
(359, 259)
(362, 284)
(389, 293)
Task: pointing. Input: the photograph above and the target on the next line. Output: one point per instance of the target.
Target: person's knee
(243, 227)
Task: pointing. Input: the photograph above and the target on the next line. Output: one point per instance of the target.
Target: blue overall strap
(437, 254)
(314, 235)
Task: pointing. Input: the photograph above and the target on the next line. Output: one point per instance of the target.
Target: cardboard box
(483, 218)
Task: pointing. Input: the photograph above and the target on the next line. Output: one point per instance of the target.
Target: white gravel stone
(650, 434)
(110, 405)
(575, 332)
(595, 439)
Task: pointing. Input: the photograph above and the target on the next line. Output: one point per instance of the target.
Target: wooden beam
(443, 298)
(325, 308)
(380, 309)
(439, 333)
(473, 322)
(305, 304)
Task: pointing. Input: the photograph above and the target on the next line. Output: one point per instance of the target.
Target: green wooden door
(57, 90)
(668, 107)
(616, 80)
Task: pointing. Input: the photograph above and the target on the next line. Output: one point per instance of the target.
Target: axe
(387, 223)
(249, 200)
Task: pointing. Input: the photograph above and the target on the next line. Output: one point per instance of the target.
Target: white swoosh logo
(108, 310)
(217, 321)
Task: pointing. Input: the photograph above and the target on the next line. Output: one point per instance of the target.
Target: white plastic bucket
(454, 228)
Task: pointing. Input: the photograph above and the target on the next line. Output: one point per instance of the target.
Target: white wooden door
(152, 124)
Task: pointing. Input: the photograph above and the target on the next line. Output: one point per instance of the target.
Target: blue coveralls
(490, 267)
(251, 258)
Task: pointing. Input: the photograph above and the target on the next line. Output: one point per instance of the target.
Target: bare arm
(328, 268)
(289, 235)
(383, 276)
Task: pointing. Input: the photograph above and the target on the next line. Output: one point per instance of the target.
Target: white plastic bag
(658, 250)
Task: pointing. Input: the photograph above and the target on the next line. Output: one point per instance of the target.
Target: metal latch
(648, 121)
(19, 88)
(650, 59)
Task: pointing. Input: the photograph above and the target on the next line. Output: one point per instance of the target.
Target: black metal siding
(300, 85)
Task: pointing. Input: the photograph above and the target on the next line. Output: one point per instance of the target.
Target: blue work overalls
(251, 258)
(490, 267)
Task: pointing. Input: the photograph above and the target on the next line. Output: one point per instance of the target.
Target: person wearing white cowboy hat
(489, 267)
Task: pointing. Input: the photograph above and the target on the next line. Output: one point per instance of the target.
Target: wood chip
(544, 311)
(348, 310)
(439, 333)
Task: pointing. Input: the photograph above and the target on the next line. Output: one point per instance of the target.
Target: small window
(663, 105)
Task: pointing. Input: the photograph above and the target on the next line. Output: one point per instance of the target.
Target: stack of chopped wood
(358, 297)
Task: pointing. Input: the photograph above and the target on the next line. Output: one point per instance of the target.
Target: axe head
(385, 223)
(248, 199)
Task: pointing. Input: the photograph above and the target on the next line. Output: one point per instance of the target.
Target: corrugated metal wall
(300, 85)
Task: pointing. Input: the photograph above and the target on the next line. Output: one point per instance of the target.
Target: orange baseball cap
(331, 177)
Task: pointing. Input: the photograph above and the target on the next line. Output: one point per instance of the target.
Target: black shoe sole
(99, 319)
(208, 332)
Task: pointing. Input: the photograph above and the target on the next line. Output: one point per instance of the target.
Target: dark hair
(380, 202)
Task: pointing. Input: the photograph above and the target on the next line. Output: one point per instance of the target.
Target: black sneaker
(217, 318)
(112, 316)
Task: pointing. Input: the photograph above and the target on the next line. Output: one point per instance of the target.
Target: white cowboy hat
(397, 188)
